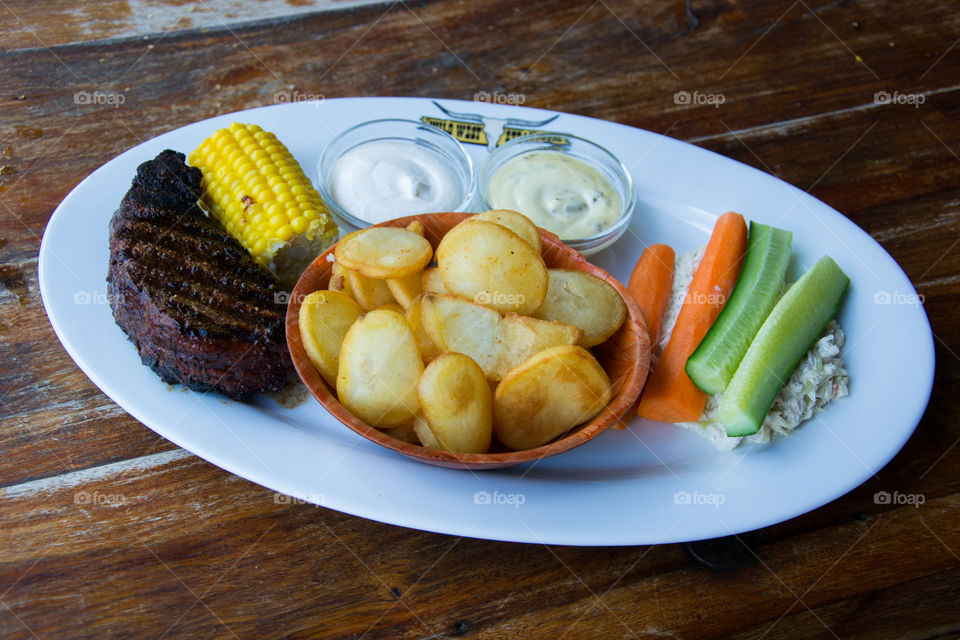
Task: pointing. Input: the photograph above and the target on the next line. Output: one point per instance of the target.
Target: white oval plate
(652, 483)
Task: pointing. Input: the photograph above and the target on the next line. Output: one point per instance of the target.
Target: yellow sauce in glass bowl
(558, 192)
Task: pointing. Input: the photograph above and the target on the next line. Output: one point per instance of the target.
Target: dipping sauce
(558, 192)
(384, 179)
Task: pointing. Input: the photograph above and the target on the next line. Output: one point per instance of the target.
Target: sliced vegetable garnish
(716, 359)
(790, 330)
(651, 283)
(670, 396)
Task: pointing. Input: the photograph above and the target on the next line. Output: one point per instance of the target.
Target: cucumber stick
(711, 366)
(790, 330)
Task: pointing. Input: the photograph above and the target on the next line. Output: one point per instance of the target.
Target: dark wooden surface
(193, 551)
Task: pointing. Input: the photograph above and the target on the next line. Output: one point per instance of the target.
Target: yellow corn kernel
(258, 191)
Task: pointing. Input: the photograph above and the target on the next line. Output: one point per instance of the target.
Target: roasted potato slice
(428, 350)
(491, 265)
(379, 370)
(548, 394)
(455, 324)
(456, 403)
(585, 301)
(431, 282)
(393, 306)
(422, 429)
(494, 342)
(325, 317)
(338, 279)
(522, 337)
(368, 292)
(384, 252)
(516, 222)
(406, 433)
(405, 289)
(417, 227)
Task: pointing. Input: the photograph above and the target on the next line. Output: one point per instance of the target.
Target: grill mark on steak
(198, 308)
(188, 287)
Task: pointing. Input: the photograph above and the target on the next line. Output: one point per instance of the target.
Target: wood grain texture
(110, 531)
(36, 25)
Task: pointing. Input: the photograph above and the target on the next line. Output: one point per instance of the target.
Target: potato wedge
(384, 252)
(456, 403)
(431, 282)
(522, 337)
(585, 301)
(516, 222)
(428, 350)
(491, 265)
(338, 279)
(548, 394)
(368, 292)
(405, 289)
(379, 370)
(325, 317)
(455, 324)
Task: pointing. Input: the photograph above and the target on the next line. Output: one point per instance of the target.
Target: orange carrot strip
(670, 396)
(651, 283)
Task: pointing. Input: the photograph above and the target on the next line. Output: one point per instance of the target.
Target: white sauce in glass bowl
(385, 179)
(558, 192)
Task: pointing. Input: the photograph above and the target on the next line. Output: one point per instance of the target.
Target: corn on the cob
(261, 196)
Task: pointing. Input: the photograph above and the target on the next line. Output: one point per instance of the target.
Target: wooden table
(194, 551)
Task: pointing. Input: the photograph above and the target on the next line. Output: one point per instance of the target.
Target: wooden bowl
(625, 357)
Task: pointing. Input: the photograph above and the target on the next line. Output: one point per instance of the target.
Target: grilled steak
(198, 308)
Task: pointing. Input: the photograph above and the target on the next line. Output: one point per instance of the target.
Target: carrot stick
(670, 396)
(651, 283)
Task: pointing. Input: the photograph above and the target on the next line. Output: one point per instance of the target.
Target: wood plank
(32, 25)
(52, 418)
(143, 537)
(884, 613)
(223, 71)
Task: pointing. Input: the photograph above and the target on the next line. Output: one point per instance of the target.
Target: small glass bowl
(584, 150)
(431, 138)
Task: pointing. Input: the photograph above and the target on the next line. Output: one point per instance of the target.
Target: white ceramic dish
(651, 483)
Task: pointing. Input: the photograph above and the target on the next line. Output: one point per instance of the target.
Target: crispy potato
(393, 306)
(456, 403)
(548, 394)
(455, 324)
(379, 370)
(585, 301)
(417, 227)
(431, 282)
(494, 342)
(368, 292)
(428, 350)
(338, 279)
(422, 429)
(406, 433)
(325, 317)
(491, 265)
(405, 289)
(516, 222)
(522, 337)
(384, 252)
